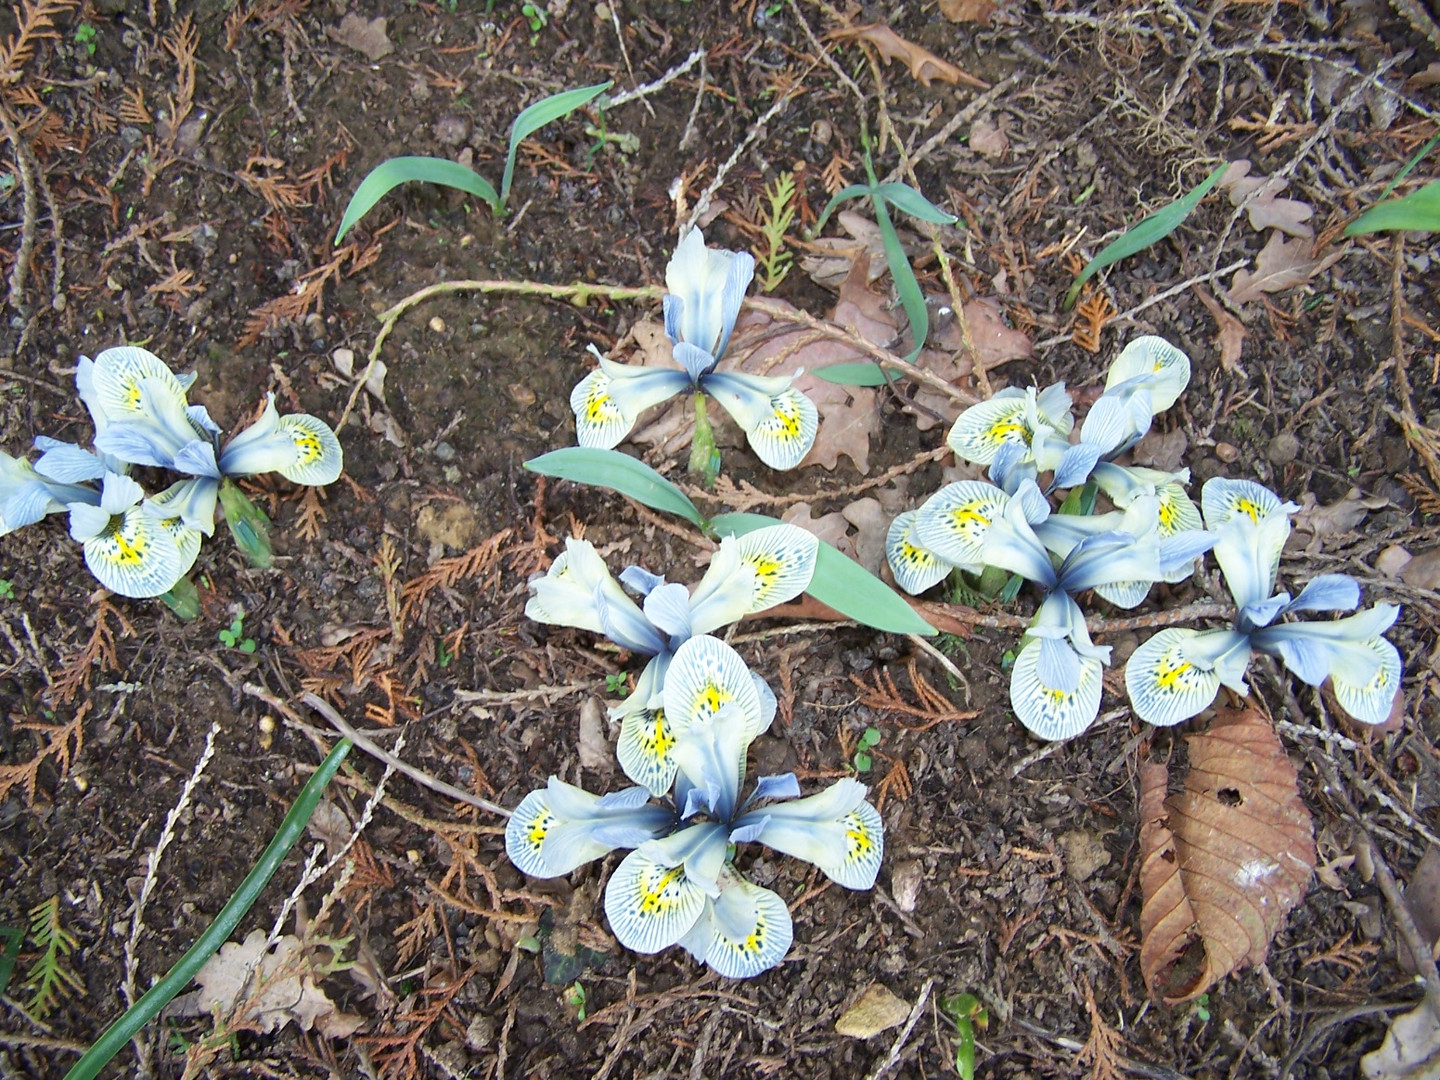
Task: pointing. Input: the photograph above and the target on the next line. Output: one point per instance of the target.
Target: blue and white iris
(748, 574)
(1177, 673)
(679, 884)
(706, 288)
(136, 546)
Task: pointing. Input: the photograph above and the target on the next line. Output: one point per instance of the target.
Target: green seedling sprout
(164, 991)
(1201, 1008)
(869, 739)
(7, 589)
(1147, 231)
(86, 36)
(839, 581)
(575, 998)
(616, 683)
(966, 1013)
(396, 171)
(233, 636)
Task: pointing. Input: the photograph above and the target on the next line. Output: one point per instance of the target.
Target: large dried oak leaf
(1222, 861)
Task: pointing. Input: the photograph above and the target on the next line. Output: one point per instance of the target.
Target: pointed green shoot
(183, 599)
(248, 525)
(388, 175)
(618, 472)
(534, 117)
(1417, 212)
(857, 373)
(841, 583)
(1147, 231)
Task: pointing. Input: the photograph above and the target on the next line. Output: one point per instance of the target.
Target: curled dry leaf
(1411, 1050)
(1281, 264)
(286, 989)
(923, 64)
(831, 265)
(1230, 335)
(1315, 522)
(365, 36)
(1223, 861)
(988, 137)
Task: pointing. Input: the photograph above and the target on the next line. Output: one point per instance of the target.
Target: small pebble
(452, 130)
(522, 394)
(344, 361)
(1283, 449)
(905, 882)
(1227, 453)
(444, 451)
(822, 131)
(437, 324)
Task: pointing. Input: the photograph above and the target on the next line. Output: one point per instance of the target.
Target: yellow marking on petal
(1250, 508)
(858, 841)
(539, 829)
(787, 413)
(306, 445)
(1168, 674)
(1009, 430)
(664, 893)
(657, 738)
(711, 698)
(1168, 517)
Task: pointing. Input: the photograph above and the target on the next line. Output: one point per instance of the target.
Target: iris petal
(782, 558)
(983, 429)
(644, 750)
(916, 568)
(1048, 712)
(651, 905)
(954, 522)
(609, 400)
(743, 931)
(1370, 701)
(779, 421)
(1166, 369)
(134, 555)
(1164, 687)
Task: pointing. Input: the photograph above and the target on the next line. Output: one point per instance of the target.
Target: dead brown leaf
(978, 11)
(1422, 896)
(832, 527)
(1266, 209)
(365, 36)
(1281, 264)
(1411, 1050)
(988, 138)
(871, 523)
(1163, 450)
(286, 989)
(1423, 571)
(1230, 336)
(1223, 861)
(923, 64)
(1315, 522)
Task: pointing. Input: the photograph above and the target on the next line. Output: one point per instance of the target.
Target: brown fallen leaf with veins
(1315, 522)
(1281, 264)
(1224, 861)
(1266, 209)
(365, 36)
(831, 527)
(923, 64)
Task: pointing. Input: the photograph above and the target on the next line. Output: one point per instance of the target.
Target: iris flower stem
(704, 457)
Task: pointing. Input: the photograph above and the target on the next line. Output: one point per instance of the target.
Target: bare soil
(1009, 873)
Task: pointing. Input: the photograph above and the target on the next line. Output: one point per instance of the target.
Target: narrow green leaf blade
(388, 175)
(533, 117)
(909, 201)
(1417, 212)
(841, 583)
(911, 298)
(1147, 231)
(618, 472)
(854, 191)
(859, 373)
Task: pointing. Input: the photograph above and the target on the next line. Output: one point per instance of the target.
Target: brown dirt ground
(1027, 875)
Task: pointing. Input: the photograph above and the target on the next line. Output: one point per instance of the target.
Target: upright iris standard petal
(192, 502)
(1327, 592)
(742, 932)
(779, 421)
(560, 827)
(1248, 549)
(1165, 369)
(1011, 544)
(723, 595)
(609, 400)
(954, 522)
(916, 568)
(706, 287)
(299, 447)
(67, 463)
(1165, 686)
(837, 830)
(711, 754)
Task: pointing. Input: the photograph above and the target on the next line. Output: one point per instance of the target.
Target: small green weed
(615, 683)
(1201, 1008)
(575, 998)
(774, 258)
(443, 655)
(537, 17)
(233, 636)
(7, 589)
(87, 37)
(868, 741)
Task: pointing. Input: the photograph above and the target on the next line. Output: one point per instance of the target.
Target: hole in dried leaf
(1229, 796)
